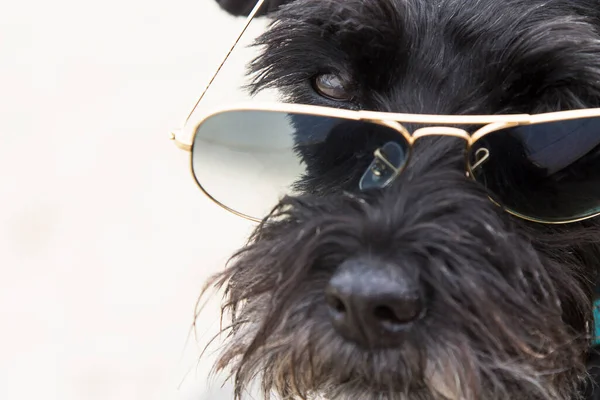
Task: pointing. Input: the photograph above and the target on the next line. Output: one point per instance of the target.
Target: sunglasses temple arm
(246, 24)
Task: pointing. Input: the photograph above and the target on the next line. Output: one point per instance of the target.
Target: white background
(105, 241)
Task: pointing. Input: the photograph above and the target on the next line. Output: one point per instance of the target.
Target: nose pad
(481, 156)
(387, 164)
(373, 303)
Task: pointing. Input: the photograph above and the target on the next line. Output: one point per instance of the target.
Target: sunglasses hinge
(179, 144)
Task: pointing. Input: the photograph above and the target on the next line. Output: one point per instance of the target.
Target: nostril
(335, 303)
(385, 314)
(398, 311)
(338, 305)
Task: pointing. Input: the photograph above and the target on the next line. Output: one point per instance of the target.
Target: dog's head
(426, 289)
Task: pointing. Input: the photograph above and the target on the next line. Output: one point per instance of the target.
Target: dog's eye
(332, 87)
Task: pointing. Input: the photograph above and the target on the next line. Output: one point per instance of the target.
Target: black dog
(498, 308)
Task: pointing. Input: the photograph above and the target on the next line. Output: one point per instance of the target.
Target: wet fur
(509, 302)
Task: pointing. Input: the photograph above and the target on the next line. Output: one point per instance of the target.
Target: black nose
(373, 303)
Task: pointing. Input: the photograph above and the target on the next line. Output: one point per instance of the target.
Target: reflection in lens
(548, 171)
(248, 160)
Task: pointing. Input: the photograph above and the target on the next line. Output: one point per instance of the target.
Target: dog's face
(426, 289)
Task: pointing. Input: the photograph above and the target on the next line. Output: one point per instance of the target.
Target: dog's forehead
(409, 25)
(461, 48)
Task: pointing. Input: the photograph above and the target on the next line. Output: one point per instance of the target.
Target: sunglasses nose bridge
(381, 161)
(441, 131)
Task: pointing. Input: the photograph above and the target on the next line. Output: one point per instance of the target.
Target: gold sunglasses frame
(491, 123)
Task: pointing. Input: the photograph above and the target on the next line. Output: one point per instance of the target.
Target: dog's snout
(373, 303)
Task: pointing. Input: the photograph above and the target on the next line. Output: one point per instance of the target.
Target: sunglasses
(543, 168)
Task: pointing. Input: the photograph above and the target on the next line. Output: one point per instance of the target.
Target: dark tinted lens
(248, 160)
(548, 171)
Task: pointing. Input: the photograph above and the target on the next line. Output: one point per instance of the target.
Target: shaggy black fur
(509, 303)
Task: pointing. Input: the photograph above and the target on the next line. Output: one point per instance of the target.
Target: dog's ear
(243, 7)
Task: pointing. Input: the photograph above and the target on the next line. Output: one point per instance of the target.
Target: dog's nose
(373, 303)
